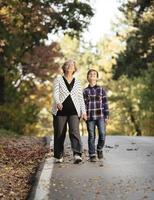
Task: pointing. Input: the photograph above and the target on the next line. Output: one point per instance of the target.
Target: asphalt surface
(125, 173)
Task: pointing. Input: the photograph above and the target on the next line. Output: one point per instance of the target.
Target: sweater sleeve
(56, 90)
(105, 105)
(85, 97)
(81, 99)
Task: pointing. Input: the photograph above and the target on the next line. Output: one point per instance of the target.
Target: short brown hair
(92, 70)
(67, 63)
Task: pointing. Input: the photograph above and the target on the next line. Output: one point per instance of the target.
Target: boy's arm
(105, 105)
(85, 97)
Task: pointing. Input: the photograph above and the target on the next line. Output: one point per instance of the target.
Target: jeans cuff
(93, 154)
(100, 150)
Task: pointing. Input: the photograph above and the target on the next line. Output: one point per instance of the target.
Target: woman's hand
(84, 117)
(59, 106)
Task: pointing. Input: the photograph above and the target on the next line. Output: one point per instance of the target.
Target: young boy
(97, 114)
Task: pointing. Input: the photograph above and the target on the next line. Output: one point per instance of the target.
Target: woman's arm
(82, 103)
(56, 93)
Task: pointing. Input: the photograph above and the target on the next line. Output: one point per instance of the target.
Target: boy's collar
(92, 86)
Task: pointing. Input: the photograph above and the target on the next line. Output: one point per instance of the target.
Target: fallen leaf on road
(131, 149)
(107, 146)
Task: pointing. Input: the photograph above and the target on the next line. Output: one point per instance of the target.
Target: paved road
(126, 172)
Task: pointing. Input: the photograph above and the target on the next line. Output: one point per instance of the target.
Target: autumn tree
(25, 60)
(25, 24)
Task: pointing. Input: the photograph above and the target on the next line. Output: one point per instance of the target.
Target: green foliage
(148, 91)
(16, 118)
(7, 133)
(17, 113)
(147, 99)
(126, 103)
(132, 99)
(25, 25)
(134, 69)
(139, 42)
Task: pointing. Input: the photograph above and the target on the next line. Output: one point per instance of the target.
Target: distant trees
(136, 63)
(140, 40)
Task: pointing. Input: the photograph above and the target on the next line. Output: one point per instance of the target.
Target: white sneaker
(77, 159)
(60, 160)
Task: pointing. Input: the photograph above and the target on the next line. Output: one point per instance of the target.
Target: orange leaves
(41, 61)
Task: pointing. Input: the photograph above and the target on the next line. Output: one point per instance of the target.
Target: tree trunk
(136, 125)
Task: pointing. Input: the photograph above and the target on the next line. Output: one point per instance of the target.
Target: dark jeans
(60, 128)
(91, 127)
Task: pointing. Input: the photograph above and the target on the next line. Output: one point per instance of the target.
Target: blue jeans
(91, 127)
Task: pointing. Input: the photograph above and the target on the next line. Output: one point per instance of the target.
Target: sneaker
(59, 160)
(93, 159)
(100, 154)
(77, 159)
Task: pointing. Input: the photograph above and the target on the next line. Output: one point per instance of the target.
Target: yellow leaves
(19, 23)
(148, 15)
(11, 19)
(2, 45)
(4, 15)
(4, 11)
(32, 97)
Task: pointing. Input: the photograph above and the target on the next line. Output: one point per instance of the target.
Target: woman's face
(70, 68)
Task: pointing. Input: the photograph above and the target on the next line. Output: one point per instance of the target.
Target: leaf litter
(19, 161)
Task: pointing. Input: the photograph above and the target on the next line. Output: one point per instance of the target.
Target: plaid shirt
(96, 102)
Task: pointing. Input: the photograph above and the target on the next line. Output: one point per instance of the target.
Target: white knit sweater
(60, 93)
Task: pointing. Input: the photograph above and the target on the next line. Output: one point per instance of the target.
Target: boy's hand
(84, 117)
(59, 106)
(106, 120)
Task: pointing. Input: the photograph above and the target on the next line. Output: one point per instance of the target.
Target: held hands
(59, 106)
(83, 116)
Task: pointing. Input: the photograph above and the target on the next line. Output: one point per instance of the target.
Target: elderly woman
(68, 108)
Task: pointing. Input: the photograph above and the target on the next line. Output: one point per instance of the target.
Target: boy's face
(92, 76)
